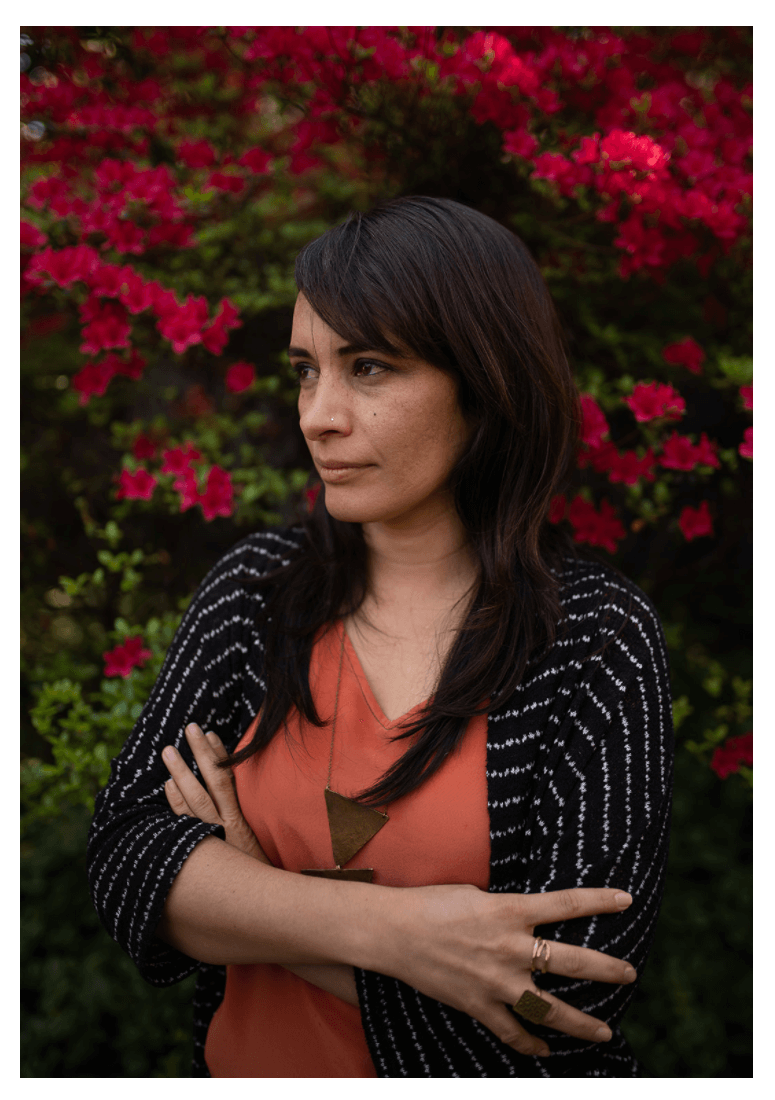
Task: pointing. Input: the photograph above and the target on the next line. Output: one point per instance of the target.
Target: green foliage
(98, 570)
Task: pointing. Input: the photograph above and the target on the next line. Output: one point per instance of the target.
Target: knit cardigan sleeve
(211, 675)
(579, 787)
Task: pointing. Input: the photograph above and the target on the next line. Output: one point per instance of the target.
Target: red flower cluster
(123, 658)
(735, 751)
(746, 447)
(652, 400)
(598, 528)
(93, 379)
(679, 453)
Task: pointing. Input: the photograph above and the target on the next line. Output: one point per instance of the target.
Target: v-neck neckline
(366, 688)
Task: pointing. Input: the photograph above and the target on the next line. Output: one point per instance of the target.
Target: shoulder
(257, 554)
(609, 619)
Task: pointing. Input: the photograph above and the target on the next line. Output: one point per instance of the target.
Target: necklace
(351, 825)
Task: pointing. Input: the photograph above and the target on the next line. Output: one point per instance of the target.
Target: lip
(339, 471)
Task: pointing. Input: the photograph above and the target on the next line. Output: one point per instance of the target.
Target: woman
(458, 731)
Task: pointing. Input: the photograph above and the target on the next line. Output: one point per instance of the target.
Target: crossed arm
(470, 949)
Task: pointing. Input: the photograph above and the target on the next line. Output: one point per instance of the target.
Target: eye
(303, 371)
(369, 368)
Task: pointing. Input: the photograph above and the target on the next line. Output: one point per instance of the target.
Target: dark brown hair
(463, 293)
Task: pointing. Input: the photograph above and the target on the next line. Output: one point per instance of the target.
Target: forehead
(310, 331)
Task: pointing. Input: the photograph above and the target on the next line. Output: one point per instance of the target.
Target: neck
(428, 554)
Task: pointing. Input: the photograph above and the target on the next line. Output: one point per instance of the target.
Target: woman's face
(384, 431)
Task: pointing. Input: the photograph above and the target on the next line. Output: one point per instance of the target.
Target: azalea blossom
(686, 353)
(143, 447)
(135, 486)
(735, 751)
(218, 497)
(649, 401)
(240, 376)
(746, 447)
(746, 392)
(123, 658)
(696, 522)
(178, 459)
(594, 424)
(598, 528)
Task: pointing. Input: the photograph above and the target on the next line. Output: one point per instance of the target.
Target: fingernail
(623, 900)
(630, 975)
(602, 1034)
(168, 754)
(192, 727)
(544, 1052)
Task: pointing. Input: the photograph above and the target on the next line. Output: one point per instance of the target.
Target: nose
(324, 408)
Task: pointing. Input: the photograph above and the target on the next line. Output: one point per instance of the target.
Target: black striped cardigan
(579, 778)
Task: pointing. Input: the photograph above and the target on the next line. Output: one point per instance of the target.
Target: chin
(350, 507)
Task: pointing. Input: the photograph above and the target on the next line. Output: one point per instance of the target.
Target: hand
(473, 951)
(217, 803)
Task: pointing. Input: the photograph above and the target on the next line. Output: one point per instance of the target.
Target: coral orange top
(272, 1023)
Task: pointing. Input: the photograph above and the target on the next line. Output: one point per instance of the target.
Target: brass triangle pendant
(351, 825)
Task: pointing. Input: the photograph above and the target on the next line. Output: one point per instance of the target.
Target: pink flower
(143, 447)
(240, 376)
(92, 380)
(108, 326)
(196, 154)
(135, 486)
(121, 660)
(31, 236)
(220, 181)
(735, 751)
(686, 353)
(745, 450)
(746, 392)
(186, 485)
(628, 468)
(178, 459)
(183, 325)
(65, 266)
(652, 400)
(520, 142)
(218, 497)
(637, 152)
(214, 337)
(696, 522)
(679, 453)
(705, 452)
(601, 528)
(256, 159)
(594, 425)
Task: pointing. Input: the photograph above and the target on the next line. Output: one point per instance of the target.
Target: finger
(196, 796)
(562, 1017)
(220, 783)
(217, 746)
(506, 1026)
(581, 962)
(557, 905)
(175, 799)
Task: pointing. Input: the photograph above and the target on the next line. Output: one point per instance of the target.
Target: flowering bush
(169, 176)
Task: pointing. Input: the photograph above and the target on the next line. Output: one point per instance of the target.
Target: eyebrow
(347, 349)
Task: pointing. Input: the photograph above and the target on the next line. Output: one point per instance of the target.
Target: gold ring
(541, 951)
(532, 1007)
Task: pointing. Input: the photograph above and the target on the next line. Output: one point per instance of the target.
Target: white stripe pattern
(579, 775)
